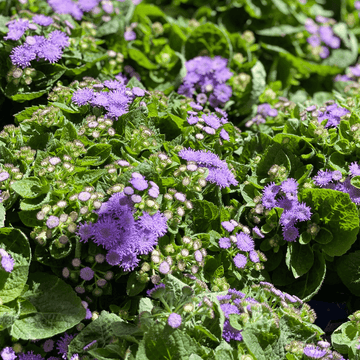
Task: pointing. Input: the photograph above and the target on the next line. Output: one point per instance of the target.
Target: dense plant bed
(179, 180)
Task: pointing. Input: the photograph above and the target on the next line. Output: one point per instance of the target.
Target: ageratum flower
(62, 345)
(42, 20)
(8, 353)
(22, 55)
(49, 51)
(229, 333)
(82, 96)
(30, 356)
(17, 29)
(7, 262)
(174, 320)
(240, 261)
(314, 352)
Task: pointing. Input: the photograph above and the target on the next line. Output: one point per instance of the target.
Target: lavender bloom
(218, 171)
(49, 52)
(174, 320)
(228, 309)
(229, 333)
(129, 35)
(244, 242)
(357, 5)
(7, 262)
(324, 53)
(314, 352)
(240, 261)
(311, 26)
(333, 113)
(224, 243)
(30, 356)
(82, 96)
(87, 5)
(17, 29)
(87, 273)
(66, 7)
(355, 70)
(63, 343)
(22, 55)
(52, 222)
(354, 169)
(59, 38)
(8, 353)
(42, 20)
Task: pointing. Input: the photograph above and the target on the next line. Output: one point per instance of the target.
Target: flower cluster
(207, 121)
(115, 100)
(333, 114)
(36, 46)
(244, 242)
(7, 262)
(263, 111)
(322, 34)
(117, 230)
(219, 172)
(293, 210)
(207, 76)
(328, 179)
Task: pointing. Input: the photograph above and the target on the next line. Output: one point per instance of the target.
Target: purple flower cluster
(39, 47)
(115, 99)
(7, 262)
(17, 29)
(219, 172)
(263, 111)
(322, 34)
(330, 180)
(212, 121)
(231, 304)
(120, 234)
(207, 75)
(244, 242)
(76, 10)
(333, 114)
(293, 210)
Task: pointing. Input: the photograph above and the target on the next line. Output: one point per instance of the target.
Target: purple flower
(100, 99)
(254, 257)
(201, 98)
(87, 5)
(85, 231)
(324, 53)
(156, 291)
(353, 168)
(63, 343)
(8, 353)
(290, 185)
(174, 320)
(17, 29)
(113, 257)
(228, 226)
(30, 356)
(50, 52)
(224, 135)
(138, 91)
(258, 232)
(314, 40)
(314, 352)
(106, 232)
(7, 262)
(22, 55)
(48, 345)
(42, 20)
(224, 243)
(229, 333)
(244, 242)
(311, 26)
(87, 273)
(357, 5)
(302, 212)
(323, 177)
(59, 38)
(82, 96)
(228, 309)
(240, 261)
(288, 217)
(4, 175)
(211, 120)
(164, 267)
(290, 233)
(66, 7)
(129, 35)
(52, 221)
(156, 223)
(222, 92)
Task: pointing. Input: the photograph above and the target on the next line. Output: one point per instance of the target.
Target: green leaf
(348, 268)
(96, 155)
(17, 245)
(205, 210)
(280, 30)
(7, 317)
(338, 214)
(2, 215)
(88, 176)
(207, 37)
(26, 96)
(324, 236)
(58, 308)
(258, 85)
(134, 286)
(110, 27)
(30, 187)
(64, 107)
(309, 284)
(163, 341)
(141, 59)
(300, 259)
(100, 329)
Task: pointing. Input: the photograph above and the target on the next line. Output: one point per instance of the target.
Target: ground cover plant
(179, 179)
